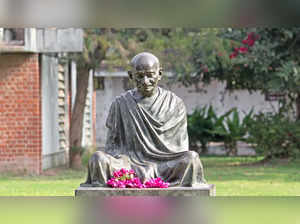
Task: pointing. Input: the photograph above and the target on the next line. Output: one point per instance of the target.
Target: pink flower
(121, 184)
(156, 183)
(245, 41)
(233, 55)
(251, 42)
(243, 50)
(251, 38)
(112, 182)
(238, 50)
(117, 174)
(127, 179)
(123, 171)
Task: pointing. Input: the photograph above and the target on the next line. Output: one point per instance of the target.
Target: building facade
(37, 89)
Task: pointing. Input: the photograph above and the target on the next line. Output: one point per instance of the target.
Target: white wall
(55, 114)
(220, 99)
(214, 94)
(50, 126)
(50, 134)
(113, 88)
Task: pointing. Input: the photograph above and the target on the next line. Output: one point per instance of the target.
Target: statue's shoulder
(123, 96)
(172, 95)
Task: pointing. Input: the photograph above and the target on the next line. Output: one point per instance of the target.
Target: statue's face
(146, 73)
(146, 81)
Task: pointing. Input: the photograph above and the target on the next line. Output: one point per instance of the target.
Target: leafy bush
(199, 124)
(202, 125)
(233, 130)
(275, 136)
(205, 126)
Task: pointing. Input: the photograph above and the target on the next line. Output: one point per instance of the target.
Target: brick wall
(20, 113)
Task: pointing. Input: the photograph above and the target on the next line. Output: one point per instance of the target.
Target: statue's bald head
(146, 73)
(144, 61)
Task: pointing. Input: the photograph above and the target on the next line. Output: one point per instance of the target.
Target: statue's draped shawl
(149, 135)
(152, 128)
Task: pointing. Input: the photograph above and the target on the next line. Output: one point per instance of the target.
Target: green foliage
(87, 155)
(172, 46)
(77, 150)
(201, 124)
(94, 49)
(268, 63)
(234, 129)
(275, 136)
(177, 48)
(205, 48)
(272, 63)
(205, 126)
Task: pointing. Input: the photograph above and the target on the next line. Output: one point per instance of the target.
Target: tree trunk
(231, 148)
(76, 125)
(298, 106)
(204, 148)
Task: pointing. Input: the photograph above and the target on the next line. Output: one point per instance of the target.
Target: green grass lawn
(61, 184)
(233, 176)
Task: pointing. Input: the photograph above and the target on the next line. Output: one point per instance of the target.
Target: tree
(264, 59)
(94, 51)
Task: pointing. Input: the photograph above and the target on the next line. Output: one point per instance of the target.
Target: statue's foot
(97, 184)
(93, 184)
(196, 185)
(85, 185)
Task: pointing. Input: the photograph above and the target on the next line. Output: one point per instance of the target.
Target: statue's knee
(97, 157)
(192, 155)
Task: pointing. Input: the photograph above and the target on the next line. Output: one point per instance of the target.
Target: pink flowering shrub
(127, 179)
(249, 42)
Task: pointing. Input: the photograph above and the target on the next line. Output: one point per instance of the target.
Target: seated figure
(147, 132)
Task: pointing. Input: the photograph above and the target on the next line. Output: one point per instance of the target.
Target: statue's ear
(130, 74)
(160, 72)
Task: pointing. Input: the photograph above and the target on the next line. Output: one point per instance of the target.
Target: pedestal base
(203, 190)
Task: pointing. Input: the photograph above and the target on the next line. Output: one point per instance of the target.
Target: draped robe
(148, 135)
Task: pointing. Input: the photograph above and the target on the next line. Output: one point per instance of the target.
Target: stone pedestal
(203, 190)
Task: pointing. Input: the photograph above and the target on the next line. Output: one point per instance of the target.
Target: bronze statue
(147, 132)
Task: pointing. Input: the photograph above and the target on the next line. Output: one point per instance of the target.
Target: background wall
(213, 94)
